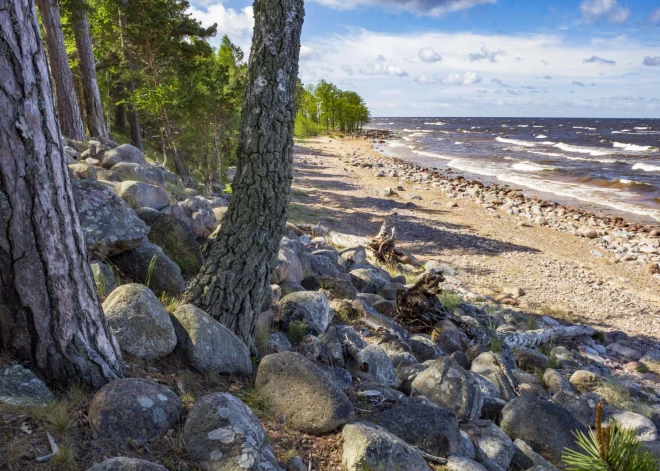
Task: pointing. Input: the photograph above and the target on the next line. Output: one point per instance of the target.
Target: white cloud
(593, 10)
(652, 61)
(654, 17)
(382, 69)
(422, 7)
(467, 78)
(427, 54)
(237, 24)
(307, 53)
(424, 79)
(485, 54)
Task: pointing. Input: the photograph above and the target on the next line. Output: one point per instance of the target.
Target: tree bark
(65, 92)
(232, 285)
(120, 108)
(93, 107)
(50, 314)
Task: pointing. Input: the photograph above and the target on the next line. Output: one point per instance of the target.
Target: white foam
(433, 154)
(632, 147)
(569, 157)
(458, 143)
(436, 124)
(642, 128)
(516, 142)
(646, 167)
(397, 144)
(582, 150)
(523, 125)
(541, 136)
(527, 166)
(417, 134)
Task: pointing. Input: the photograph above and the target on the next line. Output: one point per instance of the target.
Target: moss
(296, 331)
(5, 207)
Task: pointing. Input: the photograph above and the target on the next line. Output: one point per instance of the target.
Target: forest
(147, 71)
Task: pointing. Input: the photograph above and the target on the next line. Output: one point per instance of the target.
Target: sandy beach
(490, 250)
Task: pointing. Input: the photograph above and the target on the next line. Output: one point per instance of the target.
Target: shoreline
(609, 215)
(347, 186)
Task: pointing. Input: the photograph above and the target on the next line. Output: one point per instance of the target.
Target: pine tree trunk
(65, 92)
(50, 314)
(133, 118)
(120, 108)
(233, 284)
(93, 108)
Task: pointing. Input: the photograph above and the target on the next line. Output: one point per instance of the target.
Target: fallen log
(352, 351)
(535, 338)
(419, 307)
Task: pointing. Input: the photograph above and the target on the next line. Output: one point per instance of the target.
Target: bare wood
(68, 111)
(233, 283)
(50, 313)
(534, 338)
(352, 351)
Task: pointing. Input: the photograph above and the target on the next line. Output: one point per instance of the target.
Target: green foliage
(450, 300)
(617, 450)
(296, 331)
(305, 127)
(496, 344)
(150, 270)
(228, 189)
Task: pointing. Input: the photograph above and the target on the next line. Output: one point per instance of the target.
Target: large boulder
(451, 387)
(134, 409)
(128, 171)
(429, 428)
(110, 226)
(295, 272)
(224, 434)
(140, 322)
(297, 389)
(126, 464)
(381, 370)
(338, 288)
(370, 447)
(124, 153)
(494, 367)
(490, 440)
(368, 280)
(547, 427)
(307, 306)
(148, 264)
(200, 216)
(209, 345)
(21, 387)
(644, 428)
(176, 239)
(143, 195)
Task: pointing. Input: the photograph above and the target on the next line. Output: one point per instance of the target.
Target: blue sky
(586, 58)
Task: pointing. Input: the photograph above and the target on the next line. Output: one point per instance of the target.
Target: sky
(435, 58)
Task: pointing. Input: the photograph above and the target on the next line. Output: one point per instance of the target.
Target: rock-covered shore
(344, 380)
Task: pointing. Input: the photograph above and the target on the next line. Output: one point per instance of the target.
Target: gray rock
(297, 389)
(341, 377)
(449, 337)
(584, 381)
(309, 307)
(104, 278)
(128, 171)
(277, 343)
(222, 432)
(583, 407)
(110, 226)
(555, 382)
(424, 348)
(175, 238)
(354, 254)
(134, 409)
(493, 442)
(281, 271)
(449, 386)
(645, 428)
(339, 288)
(546, 427)
(381, 370)
(535, 458)
(295, 272)
(530, 359)
(164, 277)
(368, 280)
(437, 267)
(380, 304)
(126, 464)
(209, 345)
(375, 319)
(289, 287)
(369, 447)
(429, 428)
(458, 463)
(143, 195)
(391, 290)
(466, 449)
(199, 216)
(21, 387)
(124, 153)
(494, 367)
(140, 323)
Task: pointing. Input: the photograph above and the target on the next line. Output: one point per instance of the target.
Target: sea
(607, 166)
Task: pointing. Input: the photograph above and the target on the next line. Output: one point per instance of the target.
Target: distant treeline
(325, 107)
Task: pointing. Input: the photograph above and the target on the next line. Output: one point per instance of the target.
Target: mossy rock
(176, 239)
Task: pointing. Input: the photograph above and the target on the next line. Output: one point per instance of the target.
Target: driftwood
(534, 338)
(382, 246)
(432, 459)
(53, 447)
(419, 307)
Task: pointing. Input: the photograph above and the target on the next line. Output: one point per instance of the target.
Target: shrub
(305, 127)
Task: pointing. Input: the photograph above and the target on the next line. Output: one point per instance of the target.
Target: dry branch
(534, 338)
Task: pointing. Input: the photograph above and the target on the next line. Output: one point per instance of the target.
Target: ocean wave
(433, 154)
(632, 147)
(436, 124)
(570, 157)
(417, 134)
(523, 125)
(584, 127)
(642, 128)
(582, 150)
(458, 143)
(527, 166)
(646, 167)
(516, 142)
(397, 144)
(623, 131)
(405, 138)
(541, 136)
